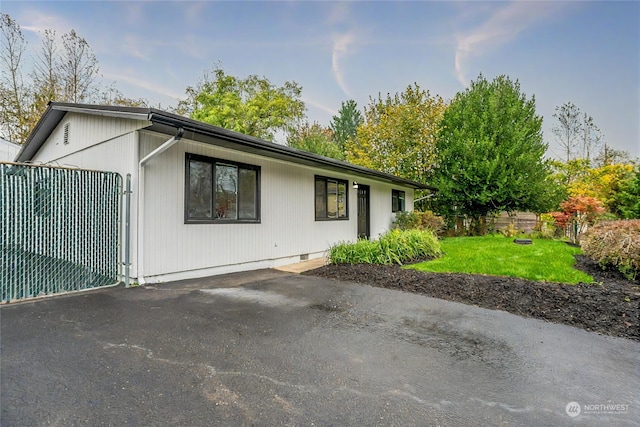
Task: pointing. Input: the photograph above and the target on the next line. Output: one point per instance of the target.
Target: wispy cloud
(133, 46)
(341, 45)
(36, 22)
(500, 28)
(324, 108)
(339, 20)
(144, 83)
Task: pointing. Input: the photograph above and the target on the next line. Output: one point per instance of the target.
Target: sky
(587, 53)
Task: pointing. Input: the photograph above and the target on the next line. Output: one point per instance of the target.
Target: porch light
(355, 185)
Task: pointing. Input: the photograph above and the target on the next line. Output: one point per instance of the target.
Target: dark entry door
(363, 211)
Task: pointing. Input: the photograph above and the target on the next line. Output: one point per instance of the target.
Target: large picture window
(331, 199)
(221, 191)
(397, 201)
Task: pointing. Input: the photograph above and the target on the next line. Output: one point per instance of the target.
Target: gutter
(167, 144)
(286, 153)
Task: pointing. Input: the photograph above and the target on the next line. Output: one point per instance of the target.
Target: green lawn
(543, 261)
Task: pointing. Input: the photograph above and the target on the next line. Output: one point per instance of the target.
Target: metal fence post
(127, 233)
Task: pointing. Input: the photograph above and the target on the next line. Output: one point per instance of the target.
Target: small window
(397, 201)
(221, 191)
(331, 199)
(65, 137)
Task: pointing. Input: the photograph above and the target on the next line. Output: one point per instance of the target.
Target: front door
(363, 211)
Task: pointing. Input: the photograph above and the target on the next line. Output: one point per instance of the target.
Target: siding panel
(84, 131)
(287, 228)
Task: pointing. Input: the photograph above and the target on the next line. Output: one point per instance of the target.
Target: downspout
(168, 144)
(428, 196)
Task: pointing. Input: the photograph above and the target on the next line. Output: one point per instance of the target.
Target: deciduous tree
(315, 139)
(609, 156)
(568, 129)
(65, 69)
(576, 133)
(398, 135)
(46, 76)
(78, 69)
(253, 105)
(578, 178)
(571, 171)
(113, 96)
(578, 212)
(602, 183)
(490, 154)
(15, 99)
(591, 137)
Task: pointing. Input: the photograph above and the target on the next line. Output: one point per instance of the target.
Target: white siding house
(8, 150)
(209, 201)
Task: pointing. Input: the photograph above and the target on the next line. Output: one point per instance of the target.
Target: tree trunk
(478, 226)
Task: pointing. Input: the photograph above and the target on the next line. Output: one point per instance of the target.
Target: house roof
(168, 123)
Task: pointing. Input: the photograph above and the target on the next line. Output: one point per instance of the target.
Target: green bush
(614, 244)
(418, 220)
(361, 252)
(406, 220)
(544, 233)
(393, 247)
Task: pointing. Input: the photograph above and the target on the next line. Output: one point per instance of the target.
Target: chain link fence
(59, 230)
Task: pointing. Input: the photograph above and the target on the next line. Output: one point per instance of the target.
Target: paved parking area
(276, 348)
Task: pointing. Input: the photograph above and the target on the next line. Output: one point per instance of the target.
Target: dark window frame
(397, 206)
(326, 180)
(213, 161)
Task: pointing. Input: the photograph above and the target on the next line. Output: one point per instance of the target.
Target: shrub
(426, 220)
(578, 212)
(361, 252)
(546, 228)
(545, 233)
(393, 247)
(614, 244)
(406, 220)
(509, 231)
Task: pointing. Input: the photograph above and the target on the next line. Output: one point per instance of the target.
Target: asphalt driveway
(273, 348)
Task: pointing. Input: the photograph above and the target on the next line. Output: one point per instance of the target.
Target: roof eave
(160, 120)
(275, 150)
(34, 141)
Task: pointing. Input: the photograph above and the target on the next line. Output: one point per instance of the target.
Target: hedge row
(393, 247)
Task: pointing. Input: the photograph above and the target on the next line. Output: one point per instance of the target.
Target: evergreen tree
(345, 124)
(490, 154)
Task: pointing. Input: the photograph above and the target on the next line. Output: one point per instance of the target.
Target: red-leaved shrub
(615, 244)
(578, 212)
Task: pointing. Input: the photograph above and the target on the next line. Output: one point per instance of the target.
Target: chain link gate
(59, 230)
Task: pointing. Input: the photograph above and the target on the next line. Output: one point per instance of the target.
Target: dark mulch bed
(610, 306)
